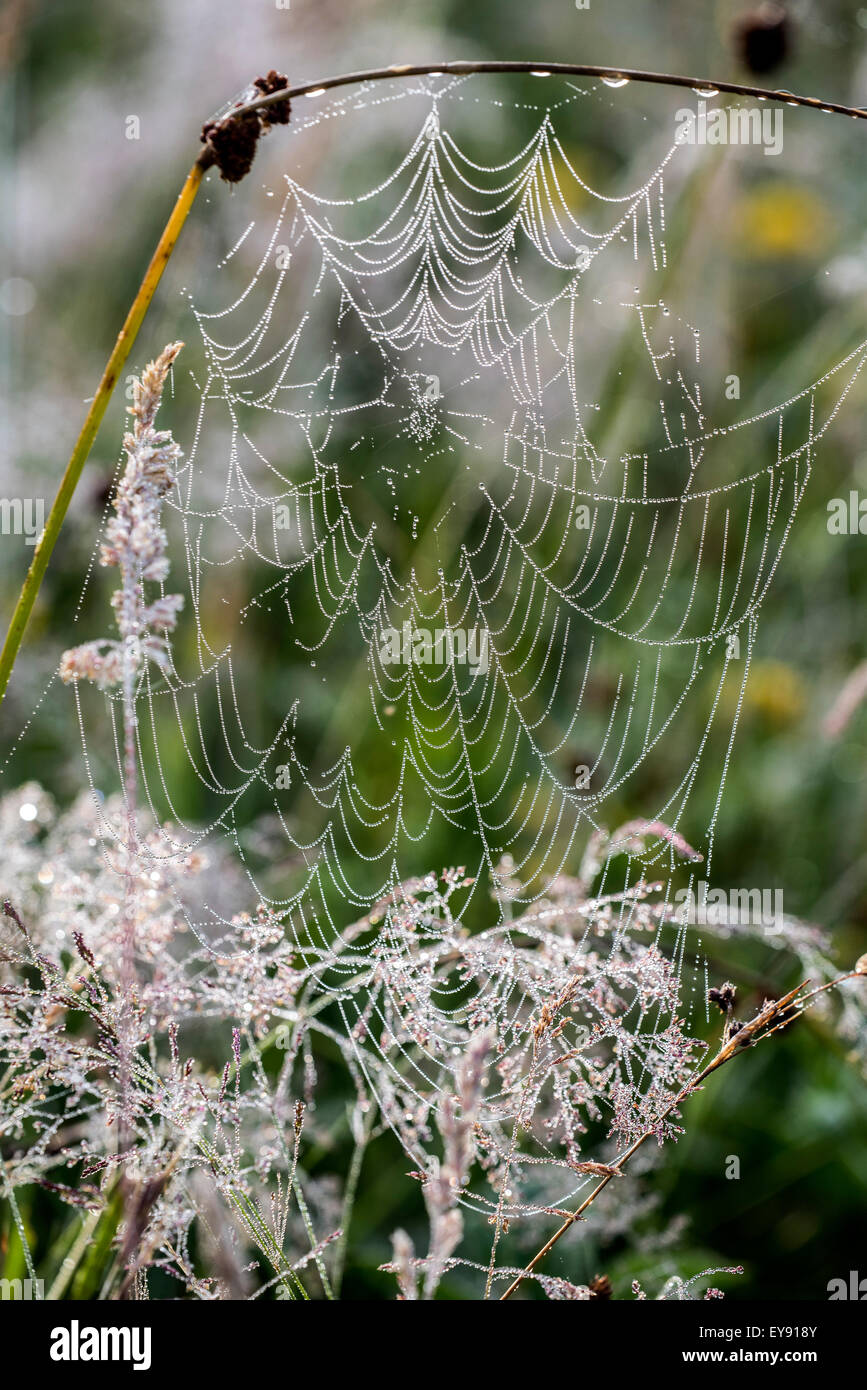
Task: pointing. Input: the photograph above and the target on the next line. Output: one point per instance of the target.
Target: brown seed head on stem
(231, 143)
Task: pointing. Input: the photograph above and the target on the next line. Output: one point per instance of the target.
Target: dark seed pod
(724, 997)
(232, 142)
(763, 38)
(278, 112)
(600, 1286)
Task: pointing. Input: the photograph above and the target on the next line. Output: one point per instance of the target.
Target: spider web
(405, 425)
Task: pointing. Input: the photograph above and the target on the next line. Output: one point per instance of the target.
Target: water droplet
(616, 81)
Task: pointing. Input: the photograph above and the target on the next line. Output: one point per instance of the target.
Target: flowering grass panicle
(135, 543)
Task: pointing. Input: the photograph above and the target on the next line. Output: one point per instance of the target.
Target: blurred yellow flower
(581, 161)
(780, 219)
(774, 695)
(775, 691)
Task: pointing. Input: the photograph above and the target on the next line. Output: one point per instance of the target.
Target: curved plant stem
(702, 86)
(78, 458)
(349, 1196)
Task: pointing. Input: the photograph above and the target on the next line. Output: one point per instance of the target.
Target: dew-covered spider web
(466, 538)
